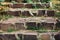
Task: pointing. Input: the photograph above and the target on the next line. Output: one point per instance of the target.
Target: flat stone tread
(29, 19)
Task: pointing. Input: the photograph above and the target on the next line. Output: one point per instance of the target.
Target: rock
(30, 37)
(20, 26)
(41, 12)
(20, 36)
(6, 27)
(45, 37)
(2, 37)
(10, 36)
(31, 25)
(28, 6)
(50, 13)
(39, 6)
(14, 13)
(16, 5)
(26, 13)
(57, 36)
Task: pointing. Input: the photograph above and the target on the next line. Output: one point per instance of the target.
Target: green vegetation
(57, 14)
(32, 28)
(45, 1)
(36, 28)
(2, 0)
(29, 1)
(5, 17)
(10, 30)
(57, 7)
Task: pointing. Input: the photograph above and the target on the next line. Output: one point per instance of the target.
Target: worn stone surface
(50, 13)
(16, 5)
(2, 37)
(39, 6)
(21, 35)
(26, 13)
(10, 36)
(14, 13)
(30, 37)
(6, 27)
(31, 25)
(20, 26)
(41, 12)
(49, 26)
(47, 5)
(45, 37)
(23, 23)
(30, 12)
(28, 6)
(57, 36)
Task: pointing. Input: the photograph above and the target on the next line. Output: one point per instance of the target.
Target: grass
(11, 30)
(5, 17)
(44, 31)
(57, 14)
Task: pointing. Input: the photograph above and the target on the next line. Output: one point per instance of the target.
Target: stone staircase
(28, 19)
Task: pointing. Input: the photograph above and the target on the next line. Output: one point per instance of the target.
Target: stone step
(27, 5)
(27, 23)
(28, 13)
(25, 35)
(19, 35)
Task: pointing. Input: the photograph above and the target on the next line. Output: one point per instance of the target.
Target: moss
(29, 1)
(45, 1)
(5, 17)
(44, 31)
(41, 31)
(32, 28)
(10, 30)
(57, 14)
